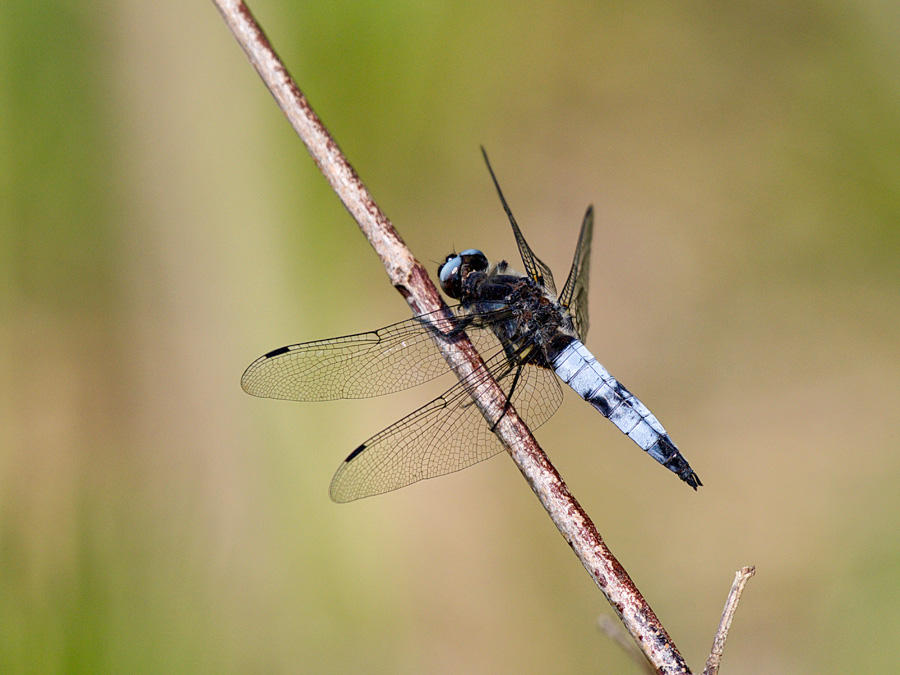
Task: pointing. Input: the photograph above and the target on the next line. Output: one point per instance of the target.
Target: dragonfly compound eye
(457, 267)
(450, 276)
(474, 260)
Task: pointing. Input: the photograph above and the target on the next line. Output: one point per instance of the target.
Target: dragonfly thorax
(530, 323)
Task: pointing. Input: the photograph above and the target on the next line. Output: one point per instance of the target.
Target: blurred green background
(161, 226)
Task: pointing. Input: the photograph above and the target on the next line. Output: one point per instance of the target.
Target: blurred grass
(160, 227)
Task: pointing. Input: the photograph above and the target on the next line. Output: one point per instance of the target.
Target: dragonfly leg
(508, 404)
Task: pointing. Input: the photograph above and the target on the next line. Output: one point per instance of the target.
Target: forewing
(574, 296)
(443, 436)
(536, 269)
(379, 362)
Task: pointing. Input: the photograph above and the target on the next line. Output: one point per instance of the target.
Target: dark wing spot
(277, 352)
(355, 453)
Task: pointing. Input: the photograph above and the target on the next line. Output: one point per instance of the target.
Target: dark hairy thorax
(533, 327)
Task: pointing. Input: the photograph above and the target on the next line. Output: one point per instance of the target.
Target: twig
(741, 577)
(411, 279)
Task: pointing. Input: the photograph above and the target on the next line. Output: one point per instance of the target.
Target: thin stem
(741, 577)
(411, 279)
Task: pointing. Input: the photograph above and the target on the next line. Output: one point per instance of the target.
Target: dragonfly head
(454, 270)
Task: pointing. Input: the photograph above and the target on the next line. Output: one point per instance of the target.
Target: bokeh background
(161, 227)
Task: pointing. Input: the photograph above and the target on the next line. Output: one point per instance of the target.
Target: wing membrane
(379, 362)
(574, 296)
(536, 269)
(443, 436)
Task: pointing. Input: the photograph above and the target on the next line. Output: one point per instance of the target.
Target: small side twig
(741, 577)
(413, 282)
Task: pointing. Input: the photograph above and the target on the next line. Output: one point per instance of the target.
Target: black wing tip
(276, 352)
(353, 454)
(247, 378)
(339, 493)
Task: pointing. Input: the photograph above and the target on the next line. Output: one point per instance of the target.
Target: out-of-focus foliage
(161, 226)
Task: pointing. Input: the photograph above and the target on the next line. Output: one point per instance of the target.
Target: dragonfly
(529, 338)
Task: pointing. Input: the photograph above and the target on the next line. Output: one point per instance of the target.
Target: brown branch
(411, 279)
(741, 577)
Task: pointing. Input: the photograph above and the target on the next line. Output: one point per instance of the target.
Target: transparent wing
(443, 436)
(379, 362)
(536, 269)
(574, 296)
